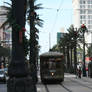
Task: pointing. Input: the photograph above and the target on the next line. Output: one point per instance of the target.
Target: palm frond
(8, 14)
(6, 7)
(36, 30)
(38, 6)
(4, 14)
(4, 24)
(8, 3)
(40, 24)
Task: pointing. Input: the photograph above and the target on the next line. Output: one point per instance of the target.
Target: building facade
(59, 36)
(5, 34)
(82, 14)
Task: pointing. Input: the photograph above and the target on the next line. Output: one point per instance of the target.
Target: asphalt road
(70, 84)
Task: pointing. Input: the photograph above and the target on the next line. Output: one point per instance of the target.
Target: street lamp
(83, 29)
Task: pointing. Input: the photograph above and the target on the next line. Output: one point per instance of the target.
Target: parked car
(2, 75)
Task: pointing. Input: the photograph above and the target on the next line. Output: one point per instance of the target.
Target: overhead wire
(56, 17)
(53, 26)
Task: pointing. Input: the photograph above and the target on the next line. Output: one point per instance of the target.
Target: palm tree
(75, 36)
(55, 48)
(11, 22)
(64, 47)
(18, 58)
(33, 20)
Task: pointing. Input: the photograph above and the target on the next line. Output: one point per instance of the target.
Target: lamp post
(83, 29)
(75, 49)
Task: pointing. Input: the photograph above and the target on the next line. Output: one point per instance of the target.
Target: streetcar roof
(52, 54)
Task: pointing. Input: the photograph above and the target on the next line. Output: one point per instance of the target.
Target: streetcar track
(46, 88)
(81, 84)
(69, 90)
(86, 81)
(66, 88)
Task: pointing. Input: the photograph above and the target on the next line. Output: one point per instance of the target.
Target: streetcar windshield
(52, 64)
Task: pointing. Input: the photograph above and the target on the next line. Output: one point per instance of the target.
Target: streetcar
(52, 67)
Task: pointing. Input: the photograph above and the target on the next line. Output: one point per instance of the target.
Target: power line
(53, 27)
(56, 9)
(57, 14)
(60, 5)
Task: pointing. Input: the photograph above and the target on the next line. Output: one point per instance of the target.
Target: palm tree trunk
(64, 57)
(68, 59)
(71, 57)
(71, 65)
(33, 48)
(18, 58)
(18, 73)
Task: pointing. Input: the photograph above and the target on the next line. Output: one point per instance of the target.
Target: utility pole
(49, 41)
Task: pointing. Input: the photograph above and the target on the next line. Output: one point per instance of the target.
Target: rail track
(47, 89)
(65, 88)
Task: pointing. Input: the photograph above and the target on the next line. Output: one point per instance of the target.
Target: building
(5, 34)
(59, 36)
(82, 14)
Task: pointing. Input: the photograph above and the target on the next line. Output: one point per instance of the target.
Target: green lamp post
(84, 29)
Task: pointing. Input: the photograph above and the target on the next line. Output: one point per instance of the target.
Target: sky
(56, 15)
(54, 20)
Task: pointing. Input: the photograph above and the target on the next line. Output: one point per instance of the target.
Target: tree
(17, 69)
(73, 44)
(69, 40)
(8, 14)
(55, 48)
(33, 41)
(16, 20)
(9, 22)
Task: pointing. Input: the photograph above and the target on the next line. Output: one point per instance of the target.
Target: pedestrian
(79, 72)
(76, 72)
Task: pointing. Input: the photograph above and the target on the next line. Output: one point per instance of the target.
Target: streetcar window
(52, 65)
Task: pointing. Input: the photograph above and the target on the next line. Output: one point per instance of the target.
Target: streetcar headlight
(52, 74)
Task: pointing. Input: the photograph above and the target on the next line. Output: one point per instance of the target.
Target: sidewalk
(74, 76)
(69, 75)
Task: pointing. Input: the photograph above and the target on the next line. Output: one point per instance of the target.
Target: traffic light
(83, 28)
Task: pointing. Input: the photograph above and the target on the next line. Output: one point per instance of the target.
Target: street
(70, 84)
